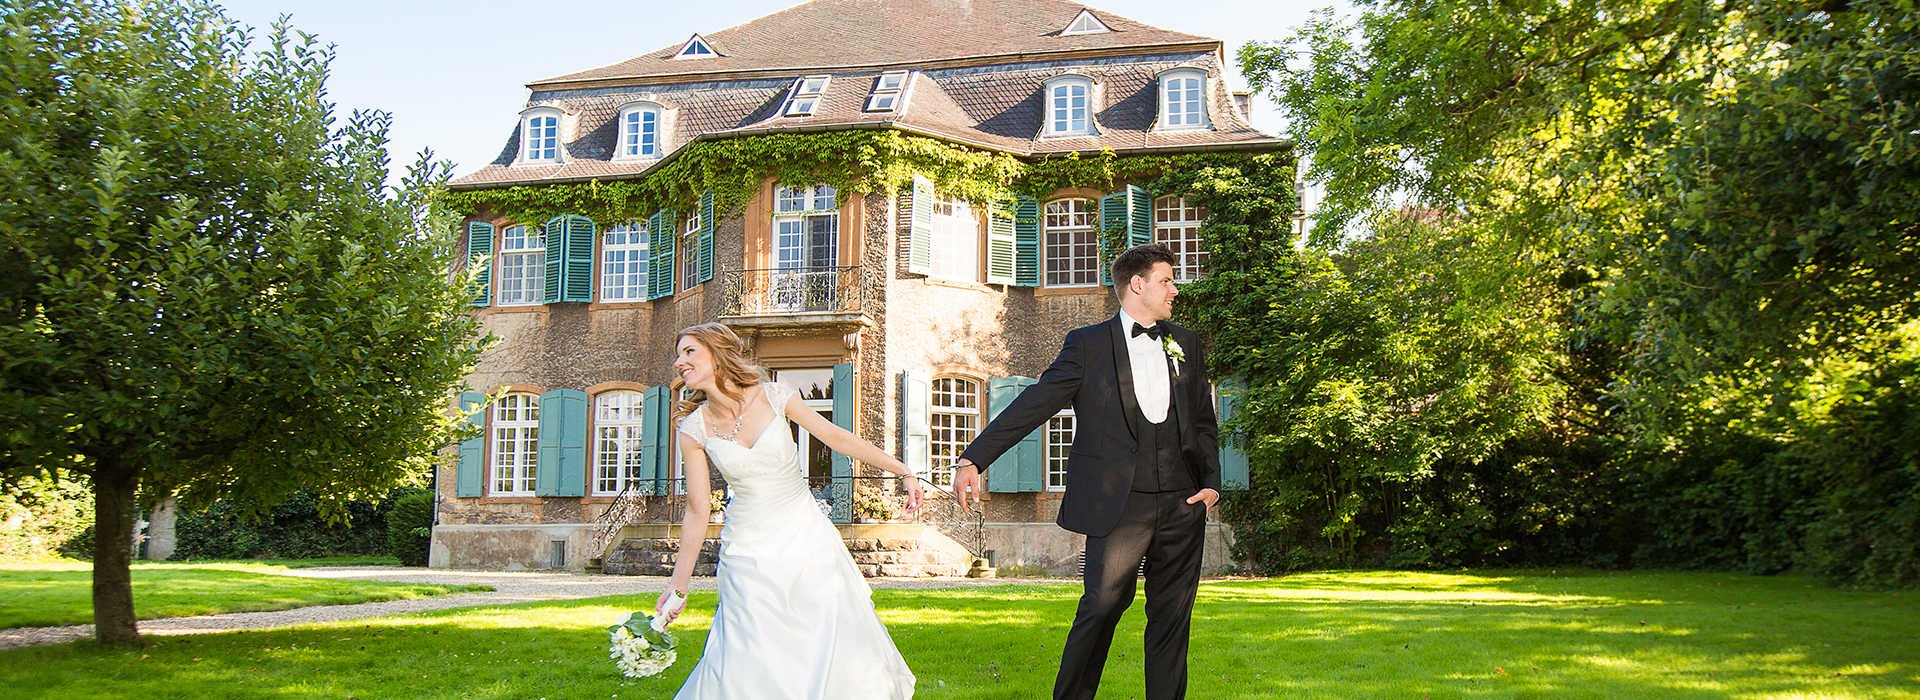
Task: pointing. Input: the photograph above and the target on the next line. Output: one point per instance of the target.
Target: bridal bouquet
(641, 646)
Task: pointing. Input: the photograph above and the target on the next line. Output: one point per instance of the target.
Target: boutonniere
(1179, 354)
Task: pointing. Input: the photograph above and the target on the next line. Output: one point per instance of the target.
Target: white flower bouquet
(642, 646)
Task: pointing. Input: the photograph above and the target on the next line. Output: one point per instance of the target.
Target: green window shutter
(920, 231)
(916, 421)
(563, 444)
(1023, 468)
(1114, 213)
(472, 471)
(480, 244)
(706, 235)
(1139, 216)
(1026, 241)
(660, 255)
(1234, 471)
(577, 266)
(655, 434)
(843, 393)
(1000, 243)
(555, 234)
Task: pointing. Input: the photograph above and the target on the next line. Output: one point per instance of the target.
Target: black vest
(1165, 470)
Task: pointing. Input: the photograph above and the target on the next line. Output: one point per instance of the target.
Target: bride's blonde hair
(732, 373)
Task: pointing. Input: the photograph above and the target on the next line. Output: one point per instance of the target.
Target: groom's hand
(966, 483)
(1209, 495)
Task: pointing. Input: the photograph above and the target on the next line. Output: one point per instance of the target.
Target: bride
(795, 618)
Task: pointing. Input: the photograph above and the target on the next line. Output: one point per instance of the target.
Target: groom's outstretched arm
(1056, 388)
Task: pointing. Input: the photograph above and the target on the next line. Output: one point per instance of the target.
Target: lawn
(45, 594)
(1333, 635)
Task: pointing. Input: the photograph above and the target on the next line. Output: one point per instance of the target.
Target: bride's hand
(669, 605)
(914, 495)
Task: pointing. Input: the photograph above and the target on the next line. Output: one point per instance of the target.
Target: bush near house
(292, 530)
(410, 528)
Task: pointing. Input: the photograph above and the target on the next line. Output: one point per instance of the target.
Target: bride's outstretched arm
(851, 445)
(693, 527)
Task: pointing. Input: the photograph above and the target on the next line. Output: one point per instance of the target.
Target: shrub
(409, 528)
(40, 517)
(292, 530)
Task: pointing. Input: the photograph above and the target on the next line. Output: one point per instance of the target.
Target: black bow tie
(1154, 331)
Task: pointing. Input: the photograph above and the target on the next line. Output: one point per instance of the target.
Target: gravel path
(508, 587)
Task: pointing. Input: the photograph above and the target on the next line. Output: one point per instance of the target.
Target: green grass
(45, 594)
(1332, 635)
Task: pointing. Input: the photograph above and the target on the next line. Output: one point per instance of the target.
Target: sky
(454, 74)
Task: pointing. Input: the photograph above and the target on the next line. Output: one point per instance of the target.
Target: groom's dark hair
(1138, 261)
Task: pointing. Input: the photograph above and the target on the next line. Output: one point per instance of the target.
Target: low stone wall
(1057, 551)
(510, 547)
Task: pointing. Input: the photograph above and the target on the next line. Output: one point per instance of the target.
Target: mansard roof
(855, 33)
(989, 102)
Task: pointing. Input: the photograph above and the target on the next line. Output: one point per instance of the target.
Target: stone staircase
(886, 549)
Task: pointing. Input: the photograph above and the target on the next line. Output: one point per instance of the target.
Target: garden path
(508, 587)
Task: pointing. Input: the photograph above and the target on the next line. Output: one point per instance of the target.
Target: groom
(1143, 471)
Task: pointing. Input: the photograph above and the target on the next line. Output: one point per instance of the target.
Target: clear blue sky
(453, 74)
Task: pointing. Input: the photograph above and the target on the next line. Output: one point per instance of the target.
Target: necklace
(737, 421)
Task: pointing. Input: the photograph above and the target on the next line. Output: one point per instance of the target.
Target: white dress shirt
(1151, 385)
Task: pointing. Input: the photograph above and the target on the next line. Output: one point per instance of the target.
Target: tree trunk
(114, 484)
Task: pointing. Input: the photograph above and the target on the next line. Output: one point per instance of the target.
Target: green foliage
(39, 517)
(53, 594)
(1669, 246)
(210, 290)
(292, 529)
(409, 528)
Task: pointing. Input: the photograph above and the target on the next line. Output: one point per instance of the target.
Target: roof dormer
(644, 125)
(805, 96)
(542, 136)
(1070, 101)
(889, 90)
(1085, 23)
(1183, 99)
(696, 47)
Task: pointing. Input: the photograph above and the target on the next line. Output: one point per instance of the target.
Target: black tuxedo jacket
(1095, 375)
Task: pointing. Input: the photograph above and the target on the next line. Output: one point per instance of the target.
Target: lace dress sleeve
(694, 427)
(777, 395)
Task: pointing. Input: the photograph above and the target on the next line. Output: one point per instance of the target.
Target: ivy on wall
(851, 161)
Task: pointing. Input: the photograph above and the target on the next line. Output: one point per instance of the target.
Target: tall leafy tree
(207, 287)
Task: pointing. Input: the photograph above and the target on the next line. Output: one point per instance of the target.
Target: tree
(208, 288)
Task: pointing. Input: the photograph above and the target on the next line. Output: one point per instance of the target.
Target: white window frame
(689, 257)
(633, 143)
(961, 413)
(522, 269)
(1082, 247)
(889, 90)
(618, 421)
(688, 50)
(805, 97)
(1059, 106)
(514, 445)
(1059, 446)
(541, 137)
(954, 248)
(623, 262)
(1175, 83)
(1177, 224)
(1085, 23)
(798, 207)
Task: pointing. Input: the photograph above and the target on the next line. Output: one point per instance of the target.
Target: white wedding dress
(795, 618)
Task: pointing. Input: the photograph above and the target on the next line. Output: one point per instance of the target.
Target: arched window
(1183, 99)
(523, 265)
(1070, 106)
(1072, 243)
(955, 420)
(540, 135)
(516, 444)
(1177, 224)
(641, 132)
(616, 450)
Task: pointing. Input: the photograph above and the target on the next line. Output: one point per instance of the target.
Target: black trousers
(1170, 533)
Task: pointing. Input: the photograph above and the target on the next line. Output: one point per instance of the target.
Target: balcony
(796, 299)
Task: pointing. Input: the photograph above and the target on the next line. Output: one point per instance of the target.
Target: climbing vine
(850, 161)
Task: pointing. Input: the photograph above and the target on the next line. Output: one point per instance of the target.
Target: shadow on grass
(1436, 636)
(55, 595)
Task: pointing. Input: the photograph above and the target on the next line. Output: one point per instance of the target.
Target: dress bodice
(772, 454)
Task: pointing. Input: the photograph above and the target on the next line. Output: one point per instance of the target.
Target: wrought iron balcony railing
(797, 290)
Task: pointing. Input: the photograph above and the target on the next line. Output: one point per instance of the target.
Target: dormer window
(642, 127)
(695, 47)
(806, 96)
(540, 136)
(1183, 100)
(1085, 23)
(887, 90)
(1070, 100)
